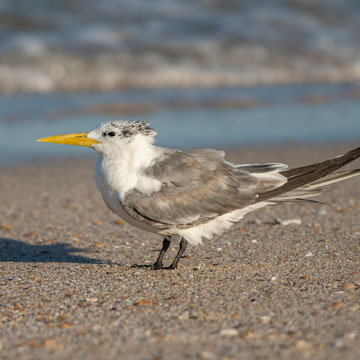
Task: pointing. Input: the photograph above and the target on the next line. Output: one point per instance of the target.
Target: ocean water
(217, 117)
(74, 45)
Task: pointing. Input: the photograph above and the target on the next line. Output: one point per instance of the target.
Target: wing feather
(196, 187)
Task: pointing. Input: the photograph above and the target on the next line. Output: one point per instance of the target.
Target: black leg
(183, 246)
(159, 264)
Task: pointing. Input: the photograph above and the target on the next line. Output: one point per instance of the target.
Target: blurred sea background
(205, 73)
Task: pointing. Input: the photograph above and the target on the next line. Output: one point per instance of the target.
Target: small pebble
(92, 299)
(265, 319)
(302, 345)
(350, 335)
(207, 355)
(229, 332)
(290, 222)
(339, 343)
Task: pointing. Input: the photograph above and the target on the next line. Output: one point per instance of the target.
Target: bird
(189, 196)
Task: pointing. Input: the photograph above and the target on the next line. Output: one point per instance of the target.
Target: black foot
(158, 265)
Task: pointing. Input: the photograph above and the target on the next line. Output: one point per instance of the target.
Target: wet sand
(69, 288)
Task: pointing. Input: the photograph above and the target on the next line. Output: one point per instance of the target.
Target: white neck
(123, 168)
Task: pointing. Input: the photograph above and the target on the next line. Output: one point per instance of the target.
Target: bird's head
(110, 138)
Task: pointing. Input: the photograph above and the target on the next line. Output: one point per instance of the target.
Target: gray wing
(196, 187)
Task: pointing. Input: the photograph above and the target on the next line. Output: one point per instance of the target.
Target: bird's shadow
(141, 266)
(19, 251)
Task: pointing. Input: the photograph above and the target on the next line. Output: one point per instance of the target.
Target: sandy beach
(74, 282)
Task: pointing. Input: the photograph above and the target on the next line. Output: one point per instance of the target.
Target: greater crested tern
(194, 195)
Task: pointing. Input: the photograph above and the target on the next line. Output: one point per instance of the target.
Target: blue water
(183, 118)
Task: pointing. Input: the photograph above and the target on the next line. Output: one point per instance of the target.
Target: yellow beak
(79, 139)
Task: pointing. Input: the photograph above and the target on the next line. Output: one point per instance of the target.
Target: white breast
(113, 183)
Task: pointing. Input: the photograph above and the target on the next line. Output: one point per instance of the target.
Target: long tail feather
(313, 176)
(331, 165)
(333, 178)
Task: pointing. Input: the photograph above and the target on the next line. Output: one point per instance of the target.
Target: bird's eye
(111, 133)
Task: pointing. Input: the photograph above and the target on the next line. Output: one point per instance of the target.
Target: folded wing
(196, 187)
